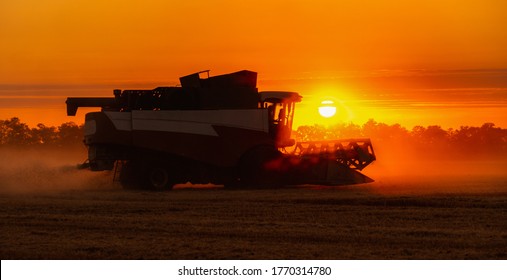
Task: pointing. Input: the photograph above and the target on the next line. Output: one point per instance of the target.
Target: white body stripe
(90, 127)
(174, 126)
(194, 122)
(121, 120)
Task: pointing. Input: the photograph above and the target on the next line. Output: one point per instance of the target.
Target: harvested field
(446, 218)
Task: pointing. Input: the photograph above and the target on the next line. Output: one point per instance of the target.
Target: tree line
(13, 132)
(487, 141)
(466, 141)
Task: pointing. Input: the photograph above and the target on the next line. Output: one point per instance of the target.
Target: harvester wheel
(259, 168)
(159, 179)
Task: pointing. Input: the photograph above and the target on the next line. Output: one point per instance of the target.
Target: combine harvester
(218, 130)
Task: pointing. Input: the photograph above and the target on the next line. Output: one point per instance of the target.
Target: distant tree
(14, 132)
(432, 135)
(44, 135)
(348, 130)
(383, 132)
(310, 133)
(70, 133)
(486, 139)
(492, 138)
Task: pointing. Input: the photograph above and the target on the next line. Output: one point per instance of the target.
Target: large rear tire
(159, 179)
(137, 174)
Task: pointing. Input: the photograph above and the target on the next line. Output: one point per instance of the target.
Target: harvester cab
(280, 106)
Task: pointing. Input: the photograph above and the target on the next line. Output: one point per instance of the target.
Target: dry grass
(389, 219)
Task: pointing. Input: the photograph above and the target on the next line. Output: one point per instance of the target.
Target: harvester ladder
(117, 170)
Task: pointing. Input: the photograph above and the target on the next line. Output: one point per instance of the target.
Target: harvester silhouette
(218, 130)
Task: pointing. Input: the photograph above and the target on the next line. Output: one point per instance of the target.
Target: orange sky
(394, 61)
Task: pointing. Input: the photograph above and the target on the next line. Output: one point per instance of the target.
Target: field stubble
(390, 219)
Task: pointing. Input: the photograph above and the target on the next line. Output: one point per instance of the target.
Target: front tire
(260, 168)
(159, 179)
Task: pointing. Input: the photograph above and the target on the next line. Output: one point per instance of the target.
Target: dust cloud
(47, 170)
(407, 169)
(399, 169)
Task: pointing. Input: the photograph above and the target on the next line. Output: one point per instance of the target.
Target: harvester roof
(280, 96)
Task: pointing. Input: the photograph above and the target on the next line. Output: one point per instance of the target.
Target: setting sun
(327, 109)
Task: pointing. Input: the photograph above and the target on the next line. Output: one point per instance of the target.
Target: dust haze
(398, 169)
(403, 168)
(47, 170)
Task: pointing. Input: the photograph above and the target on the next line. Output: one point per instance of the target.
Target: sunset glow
(431, 62)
